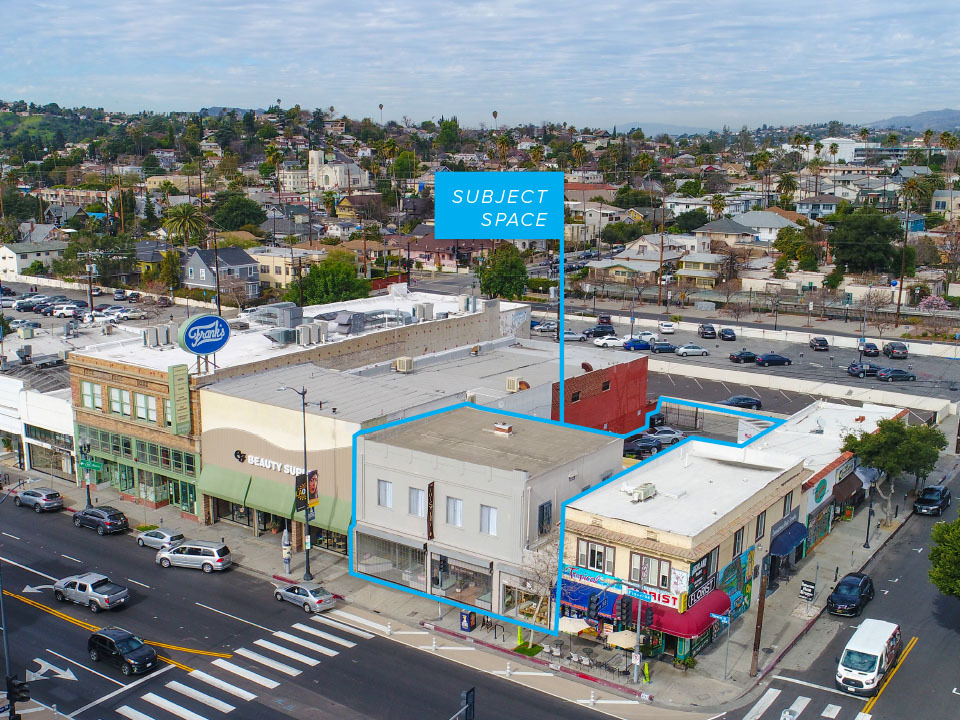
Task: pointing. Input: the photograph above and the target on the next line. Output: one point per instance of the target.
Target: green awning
(333, 514)
(223, 483)
(271, 496)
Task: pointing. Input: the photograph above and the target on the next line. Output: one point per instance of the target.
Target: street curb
(543, 663)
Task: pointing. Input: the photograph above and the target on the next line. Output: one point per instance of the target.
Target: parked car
(7, 302)
(743, 356)
(104, 519)
(133, 297)
(663, 347)
(160, 538)
(95, 315)
(636, 344)
(742, 401)
(40, 308)
(862, 369)
(6, 291)
(573, 335)
(932, 500)
(895, 350)
(894, 375)
(819, 343)
(768, 359)
(666, 327)
(121, 648)
(650, 337)
(119, 294)
(164, 302)
(599, 331)
(870, 350)
(14, 324)
(131, 314)
(547, 326)
(707, 331)
(40, 499)
(639, 446)
(609, 341)
(199, 554)
(312, 597)
(850, 595)
(94, 590)
(666, 434)
(66, 310)
(728, 334)
(691, 349)
(101, 307)
(82, 304)
(96, 291)
(26, 304)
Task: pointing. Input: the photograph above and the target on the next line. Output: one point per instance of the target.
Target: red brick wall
(620, 409)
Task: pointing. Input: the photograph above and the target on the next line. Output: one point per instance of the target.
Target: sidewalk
(421, 623)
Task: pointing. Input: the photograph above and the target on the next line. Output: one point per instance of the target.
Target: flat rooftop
(331, 393)
(697, 484)
(468, 435)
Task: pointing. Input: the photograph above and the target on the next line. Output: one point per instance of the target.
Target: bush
(541, 285)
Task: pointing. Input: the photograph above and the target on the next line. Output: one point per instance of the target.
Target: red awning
(694, 621)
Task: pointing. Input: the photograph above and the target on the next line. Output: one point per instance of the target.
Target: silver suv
(95, 591)
(40, 499)
(198, 554)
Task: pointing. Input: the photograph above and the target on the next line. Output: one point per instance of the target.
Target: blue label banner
(499, 205)
(204, 334)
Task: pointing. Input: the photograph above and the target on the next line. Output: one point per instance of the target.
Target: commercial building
(462, 505)
(36, 424)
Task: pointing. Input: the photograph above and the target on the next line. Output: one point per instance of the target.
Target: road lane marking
(105, 677)
(359, 620)
(200, 697)
(234, 617)
(246, 674)
(906, 651)
(172, 707)
(129, 712)
(8, 561)
(222, 685)
(863, 716)
(174, 663)
(343, 626)
(68, 557)
(11, 536)
(316, 647)
(800, 704)
(50, 610)
(762, 704)
(211, 653)
(272, 664)
(811, 685)
(286, 652)
(135, 582)
(325, 635)
(119, 690)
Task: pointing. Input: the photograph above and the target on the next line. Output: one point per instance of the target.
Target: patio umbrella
(573, 626)
(623, 639)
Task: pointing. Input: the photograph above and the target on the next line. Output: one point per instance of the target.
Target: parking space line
(11, 536)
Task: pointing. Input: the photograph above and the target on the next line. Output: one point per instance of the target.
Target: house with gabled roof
(727, 231)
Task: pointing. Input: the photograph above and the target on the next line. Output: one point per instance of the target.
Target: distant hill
(936, 120)
(653, 129)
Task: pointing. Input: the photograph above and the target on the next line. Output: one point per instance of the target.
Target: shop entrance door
(188, 496)
(669, 645)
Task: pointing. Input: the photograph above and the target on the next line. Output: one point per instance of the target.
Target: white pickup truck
(95, 591)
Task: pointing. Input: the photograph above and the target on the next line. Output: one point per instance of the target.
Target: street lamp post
(84, 451)
(302, 392)
(776, 313)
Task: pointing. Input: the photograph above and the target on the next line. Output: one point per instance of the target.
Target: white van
(868, 657)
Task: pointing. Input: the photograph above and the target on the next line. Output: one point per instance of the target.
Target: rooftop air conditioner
(513, 384)
(304, 335)
(163, 334)
(472, 398)
(641, 492)
(404, 364)
(149, 336)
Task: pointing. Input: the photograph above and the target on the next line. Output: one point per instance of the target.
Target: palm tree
(834, 149)
(275, 156)
(787, 185)
(503, 147)
(168, 189)
(185, 221)
(718, 204)
(579, 154)
(761, 161)
(536, 154)
(329, 202)
(892, 140)
(864, 134)
(816, 167)
(496, 128)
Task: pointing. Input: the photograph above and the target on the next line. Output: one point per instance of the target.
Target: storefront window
(115, 444)
(177, 461)
(460, 580)
(127, 446)
(526, 605)
(391, 561)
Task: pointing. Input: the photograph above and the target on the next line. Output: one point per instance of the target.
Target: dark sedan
(895, 375)
(870, 350)
(640, 446)
(862, 369)
(744, 356)
(599, 331)
(932, 500)
(851, 595)
(743, 401)
(663, 347)
(768, 359)
(707, 331)
(728, 334)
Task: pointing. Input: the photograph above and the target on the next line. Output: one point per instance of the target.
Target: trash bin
(468, 620)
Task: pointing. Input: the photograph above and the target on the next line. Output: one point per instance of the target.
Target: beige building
(281, 266)
(188, 184)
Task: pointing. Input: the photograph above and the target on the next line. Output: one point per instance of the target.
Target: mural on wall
(736, 580)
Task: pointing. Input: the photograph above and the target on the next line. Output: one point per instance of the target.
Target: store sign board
(204, 334)
(702, 591)
(178, 378)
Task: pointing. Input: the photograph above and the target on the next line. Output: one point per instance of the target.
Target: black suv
(851, 595)
(121, 647)
(819, 343)
(600, 331)
(895, 350)
(932, 501)
(104, 519)
(707, 331)
(862, 369)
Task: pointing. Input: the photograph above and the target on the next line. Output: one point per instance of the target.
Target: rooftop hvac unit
(25, 333)
(163, 334)
(641, 492)
(282, 336)
(424, 311)
(108, 328)
(472, 398)
(320, 331)
(304, 335)
(463, 303)
(513, 384)
(404, 364)
(239, 325)
(149, 336)
(290, 317)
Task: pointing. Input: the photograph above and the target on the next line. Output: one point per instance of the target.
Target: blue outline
(561, 320)
(775, 423)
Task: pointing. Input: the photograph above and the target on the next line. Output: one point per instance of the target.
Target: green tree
(405, 166)
(150, 221)
(787, 185)
(689, 221)
(781, 267)
(35, 269)
(945, 557)
(238, 211)
(448, 138)
(834, 277)
(863, 241)
(184, 221)
(151, 166)
(334, 279)
(169, 272)
(504, 273)
(718, 204)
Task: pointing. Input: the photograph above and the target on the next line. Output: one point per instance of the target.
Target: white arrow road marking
(918, 550)
(955, 692)
(36, 588)
(894, 580)
(885, 592)
(44, 666)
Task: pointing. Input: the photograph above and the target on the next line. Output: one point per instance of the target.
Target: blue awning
(788, 539)
(576, 595)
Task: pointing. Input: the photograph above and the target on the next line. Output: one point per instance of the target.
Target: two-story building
(764, 224)
(699, 270)
(946, 202)
(278, 266)
(726, 231)
(818, 206)
(237, 270)
(462, 505)
(17, 257)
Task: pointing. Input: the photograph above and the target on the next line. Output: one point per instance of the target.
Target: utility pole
(755, 658)
(663, 211)
(903, 263)
(216, 261)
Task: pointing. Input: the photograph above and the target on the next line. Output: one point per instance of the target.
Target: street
(231, 648)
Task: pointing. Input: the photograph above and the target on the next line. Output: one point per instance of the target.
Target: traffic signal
(623, 611)
(648, 616)
(17, 690)
(593, 607)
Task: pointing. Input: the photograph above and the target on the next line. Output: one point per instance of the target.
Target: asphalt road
(926, 682)
(280, 661)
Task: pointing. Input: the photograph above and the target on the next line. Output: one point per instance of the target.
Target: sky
(600, 63)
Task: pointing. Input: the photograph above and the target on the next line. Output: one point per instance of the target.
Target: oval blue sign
(204, 334)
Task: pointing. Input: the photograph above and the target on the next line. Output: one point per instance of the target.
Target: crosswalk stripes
(200, 697)
(245, 674)
(316, 647)
(222, 685)
(325, 635)
(287, 653)
(171, 707)
(764, 709)
(129, 712)
(763, 703)
(800, 704)
(342, 626)
(267, 662)
(357, 620)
